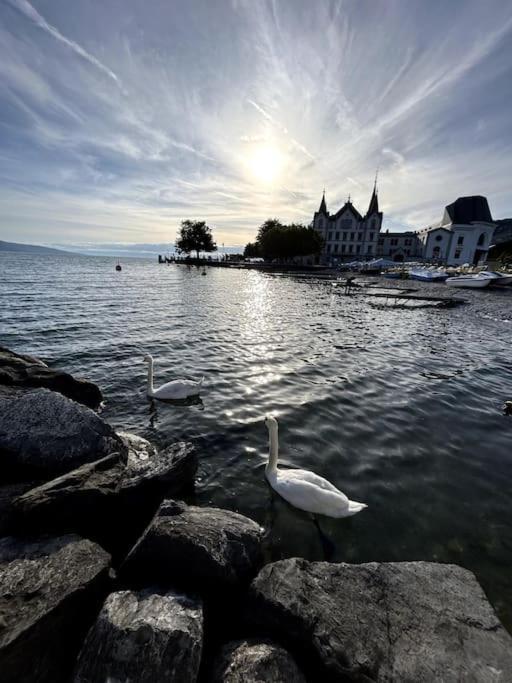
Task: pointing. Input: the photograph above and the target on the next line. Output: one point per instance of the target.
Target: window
(373, 224)
(407, 242)
(328, 248)
(394, 242)
(337, 236)
(371, 236)
(481, 240)
(439, 238)
(335, 248)
(329, 236)
(360, 236)
(460, 241)
(369, 249)
(358, 249)
(321, 223)
(350, 248)
(436, 253)
(457, 253)
(344, 235)
(343, 247)
(352, 235)
(346, 223)
(381, 241)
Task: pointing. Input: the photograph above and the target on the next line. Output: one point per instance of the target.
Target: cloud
(158, 113)
(28, 10)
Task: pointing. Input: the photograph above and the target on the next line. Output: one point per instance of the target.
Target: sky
(121, 118)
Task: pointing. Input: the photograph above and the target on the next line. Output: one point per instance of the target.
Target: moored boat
(499, 279)
(469, 281)
(428, 274)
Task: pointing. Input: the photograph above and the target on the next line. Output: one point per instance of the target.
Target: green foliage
(278, 241)
(195, 236)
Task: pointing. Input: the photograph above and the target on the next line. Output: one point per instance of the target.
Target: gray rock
(410, 622)
(255, 661)
(200, 547)
(8, 494)
(43, 433)
(50, 591)
(109, 501)
(26, 371)
(139, 449)
(143, 637)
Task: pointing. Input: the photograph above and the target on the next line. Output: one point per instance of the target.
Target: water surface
(400, 409)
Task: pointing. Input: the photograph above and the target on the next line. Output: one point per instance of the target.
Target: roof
(350, 207)
(468, 210)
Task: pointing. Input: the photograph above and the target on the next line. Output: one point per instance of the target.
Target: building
(500, 252)
(399, 246)
(463, 235)
(347, 234)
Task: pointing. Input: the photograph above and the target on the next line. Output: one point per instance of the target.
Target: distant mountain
(30, 248)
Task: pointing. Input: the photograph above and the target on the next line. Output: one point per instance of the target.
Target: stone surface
(145, 637)
(409, 621)
(255, 661)
(200, 547)
(50, 591)
(43, 433)
(26, 371)
(8, 494)
(109, 501)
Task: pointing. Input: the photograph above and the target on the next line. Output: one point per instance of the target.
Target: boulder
(408, 621)
(144, 637)
(255, 661)
(50, 592)
(199, 547)
(9, 492)
(43, 433)
(109, 501)
(26, 371)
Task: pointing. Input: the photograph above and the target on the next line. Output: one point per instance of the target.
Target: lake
(401, 409)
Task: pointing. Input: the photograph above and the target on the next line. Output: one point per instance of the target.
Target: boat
(469, 281)
(498, 279)
(428, 274)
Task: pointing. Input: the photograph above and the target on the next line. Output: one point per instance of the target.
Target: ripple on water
(400, 409)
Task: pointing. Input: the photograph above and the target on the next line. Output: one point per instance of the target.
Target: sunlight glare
(266, 164)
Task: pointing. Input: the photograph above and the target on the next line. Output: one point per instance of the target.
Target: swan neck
(273, 451)
(150, 377)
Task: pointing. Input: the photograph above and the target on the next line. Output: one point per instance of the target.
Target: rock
(43, 433)
(409, 621)
(8, 494)
(255, 661)
(50, 591)
(145, 637)
(138, 448)
(25, 371)
(200, 547)
(109, 501)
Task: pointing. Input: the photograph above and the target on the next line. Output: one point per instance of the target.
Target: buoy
(118, 267)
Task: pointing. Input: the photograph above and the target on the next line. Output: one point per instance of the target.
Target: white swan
(175, 390)
(305, 490)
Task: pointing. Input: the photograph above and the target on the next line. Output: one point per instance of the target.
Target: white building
(463, 235)
(347, 234)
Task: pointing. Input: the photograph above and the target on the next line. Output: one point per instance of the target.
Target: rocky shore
(106, 573)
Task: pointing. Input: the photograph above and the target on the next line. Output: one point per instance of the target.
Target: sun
(266, 164)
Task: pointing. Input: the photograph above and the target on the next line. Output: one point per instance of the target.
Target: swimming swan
(305, 490)
(175, 390)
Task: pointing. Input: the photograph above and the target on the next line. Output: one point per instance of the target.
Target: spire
(323, 206)
(374, 201)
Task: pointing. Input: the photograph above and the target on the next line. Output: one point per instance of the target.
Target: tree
(195, 236)
(252, 250)
(287, 241)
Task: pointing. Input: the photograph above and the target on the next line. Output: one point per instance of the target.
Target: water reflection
(401, 409)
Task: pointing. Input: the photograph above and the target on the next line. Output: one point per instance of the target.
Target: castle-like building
(347, 234)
